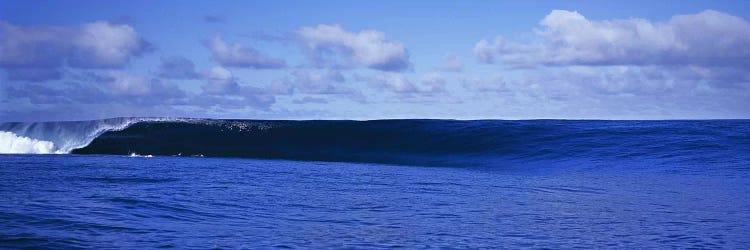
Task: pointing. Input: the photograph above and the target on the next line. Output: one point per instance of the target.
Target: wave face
(57, 137)
(437, 142)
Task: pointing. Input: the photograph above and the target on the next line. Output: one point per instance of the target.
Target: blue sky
(72, 60)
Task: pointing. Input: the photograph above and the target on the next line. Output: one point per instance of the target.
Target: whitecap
(10, 143)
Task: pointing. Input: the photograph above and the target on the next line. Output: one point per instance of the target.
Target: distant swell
(410, 142)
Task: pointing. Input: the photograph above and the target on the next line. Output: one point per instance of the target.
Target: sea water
(380, 184)
(100, 201)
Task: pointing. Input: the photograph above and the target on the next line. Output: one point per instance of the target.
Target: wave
(11, 143)
(410, 142)
(59, 137)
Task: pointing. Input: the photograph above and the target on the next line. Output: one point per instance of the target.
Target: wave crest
(434, 142)
(408, 142)
(59, 137)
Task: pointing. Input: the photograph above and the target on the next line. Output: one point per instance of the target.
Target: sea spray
(11, 143)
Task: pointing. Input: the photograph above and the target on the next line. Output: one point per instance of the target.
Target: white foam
(11, 143)
(60, 137)
(137, 155)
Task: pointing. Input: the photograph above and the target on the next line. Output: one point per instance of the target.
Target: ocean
(199, 183)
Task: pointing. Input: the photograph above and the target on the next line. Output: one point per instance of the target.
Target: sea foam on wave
(59, 137)
(11, 143)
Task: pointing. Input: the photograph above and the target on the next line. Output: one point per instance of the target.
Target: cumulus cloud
(133, 86)
(708, 38)
(331, 45)
(688, 65)
(177, 67)
(105, 45)
(220, 81)
(237, 55)
(47, 48)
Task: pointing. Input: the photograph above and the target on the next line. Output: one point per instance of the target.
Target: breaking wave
(58, 137)
(409, 142)
(11, 143)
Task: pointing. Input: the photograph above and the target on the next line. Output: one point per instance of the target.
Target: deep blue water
(70, 201)
(379, 184)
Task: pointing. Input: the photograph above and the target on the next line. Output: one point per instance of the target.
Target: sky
(80, 60)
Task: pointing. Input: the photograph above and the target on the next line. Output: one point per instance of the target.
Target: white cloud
(237, 55)
(331, 45)
(91, 45)
(124, 85)
(101, 44)
(687, 66)
(220, 81)
(708, 38)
